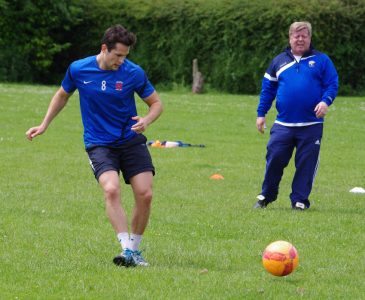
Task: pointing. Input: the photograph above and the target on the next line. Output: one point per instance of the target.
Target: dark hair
(118, 34)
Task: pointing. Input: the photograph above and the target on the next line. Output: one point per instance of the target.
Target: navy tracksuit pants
(283, 140)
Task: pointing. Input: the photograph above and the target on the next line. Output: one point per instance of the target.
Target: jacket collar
(306, 54)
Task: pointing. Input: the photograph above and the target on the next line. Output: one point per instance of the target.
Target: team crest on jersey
(118, 85)
(311, 63)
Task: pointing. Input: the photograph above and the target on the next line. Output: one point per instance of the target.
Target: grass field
(204, 240)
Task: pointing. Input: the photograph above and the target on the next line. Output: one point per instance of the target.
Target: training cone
(217, 177)
(157, 144)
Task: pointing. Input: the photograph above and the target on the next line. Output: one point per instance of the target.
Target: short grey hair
(297, 26)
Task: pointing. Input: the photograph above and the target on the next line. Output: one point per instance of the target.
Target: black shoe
(261, 203)
(125, 259)
(299, 206)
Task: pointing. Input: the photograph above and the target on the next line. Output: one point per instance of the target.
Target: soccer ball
(280, 258)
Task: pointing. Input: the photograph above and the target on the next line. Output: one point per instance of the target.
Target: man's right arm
(261, 124)
(267, 96)
(58, 102)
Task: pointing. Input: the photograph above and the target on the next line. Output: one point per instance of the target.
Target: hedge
(233, 40)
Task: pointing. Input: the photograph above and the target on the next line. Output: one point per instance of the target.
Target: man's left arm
(329, 81)
(155, 109)
(330, 86)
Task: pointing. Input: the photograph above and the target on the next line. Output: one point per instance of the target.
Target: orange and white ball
(280, 258)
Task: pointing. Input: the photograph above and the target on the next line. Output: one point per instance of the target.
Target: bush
(233, 40)
(32, 33)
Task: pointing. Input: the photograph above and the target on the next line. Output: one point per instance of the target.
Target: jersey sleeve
(68, 82)
(144, 87)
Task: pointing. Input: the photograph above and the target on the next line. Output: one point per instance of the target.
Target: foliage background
(234, 40)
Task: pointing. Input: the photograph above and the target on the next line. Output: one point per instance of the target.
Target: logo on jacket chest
(119, 85)
(311, 63)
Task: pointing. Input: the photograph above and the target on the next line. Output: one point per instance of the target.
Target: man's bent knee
(144, 199)
(111, 191)
(109, 182)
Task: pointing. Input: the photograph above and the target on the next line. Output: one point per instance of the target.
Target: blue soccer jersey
(298, 87)
(107, 100)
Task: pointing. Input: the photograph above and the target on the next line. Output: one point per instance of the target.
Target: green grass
(204, 240)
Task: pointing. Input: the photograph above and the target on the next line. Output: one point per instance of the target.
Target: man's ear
(104, 48)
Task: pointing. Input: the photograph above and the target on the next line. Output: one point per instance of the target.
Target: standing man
(113, 132)
(304, 82)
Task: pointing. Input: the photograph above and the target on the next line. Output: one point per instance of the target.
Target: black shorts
(131, 158)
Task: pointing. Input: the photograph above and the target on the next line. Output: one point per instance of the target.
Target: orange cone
(157, 144)
(217, 176)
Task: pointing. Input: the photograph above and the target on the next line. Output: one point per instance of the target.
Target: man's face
(115, 58)
(300, 41)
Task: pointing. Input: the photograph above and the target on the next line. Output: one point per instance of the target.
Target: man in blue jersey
(113, 132)
(304, 82)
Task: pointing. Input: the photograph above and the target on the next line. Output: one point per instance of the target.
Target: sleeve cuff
(328, 101)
